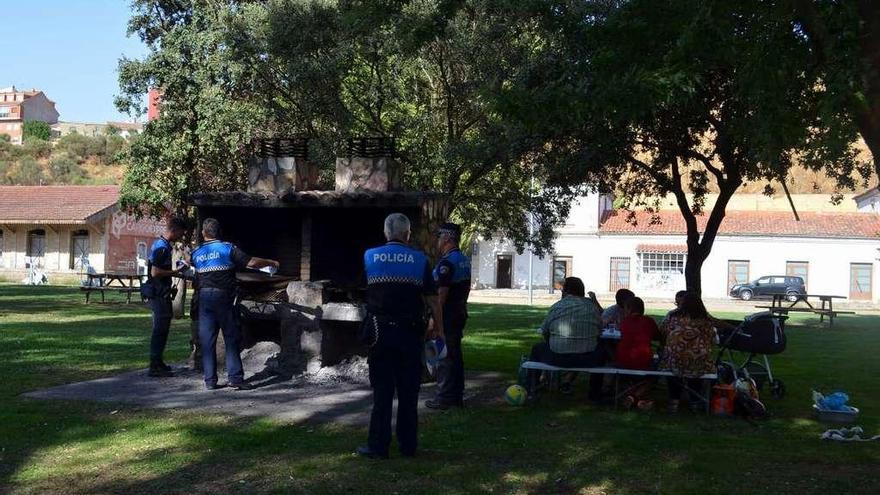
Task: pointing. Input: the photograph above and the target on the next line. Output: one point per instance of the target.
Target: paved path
(295, 400)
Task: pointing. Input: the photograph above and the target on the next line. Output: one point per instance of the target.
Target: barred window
(664, 263)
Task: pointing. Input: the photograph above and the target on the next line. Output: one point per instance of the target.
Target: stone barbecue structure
(312, 308)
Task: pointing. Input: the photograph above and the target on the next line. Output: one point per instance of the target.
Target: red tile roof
(662, 248)
(55, 204)
(849, 225)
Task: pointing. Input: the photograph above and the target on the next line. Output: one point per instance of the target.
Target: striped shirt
(572, 325)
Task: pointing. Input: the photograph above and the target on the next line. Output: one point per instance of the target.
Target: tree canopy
(427, 73)
(649, 98)
(844, 39)
(639, 97)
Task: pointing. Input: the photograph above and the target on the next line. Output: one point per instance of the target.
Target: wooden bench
(830, 313)
(707, 379)
(127, 291)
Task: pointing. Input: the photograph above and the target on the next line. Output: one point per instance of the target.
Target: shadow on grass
(559, 447)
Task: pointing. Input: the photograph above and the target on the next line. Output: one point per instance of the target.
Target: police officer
(215, 263)
(399, 283)
(159, 272)
(453, 277)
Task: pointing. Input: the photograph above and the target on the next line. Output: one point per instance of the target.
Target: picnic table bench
(122, 283)
(707, 379)
(778, 306)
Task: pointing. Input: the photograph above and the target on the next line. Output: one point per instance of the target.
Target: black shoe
(156, 372)
(365, 451)
(213, 386)
(241, 386)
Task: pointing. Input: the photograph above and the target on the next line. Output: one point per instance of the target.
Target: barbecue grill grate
(282, 147)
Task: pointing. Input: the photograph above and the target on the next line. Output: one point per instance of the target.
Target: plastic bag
(832, 402)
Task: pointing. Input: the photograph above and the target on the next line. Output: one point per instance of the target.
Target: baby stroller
(759, 335)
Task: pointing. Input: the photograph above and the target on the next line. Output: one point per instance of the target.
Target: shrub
(64, 169)
(35, 129)
(35, 148)
(27, 173)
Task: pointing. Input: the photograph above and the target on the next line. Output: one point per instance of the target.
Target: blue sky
(70, 50)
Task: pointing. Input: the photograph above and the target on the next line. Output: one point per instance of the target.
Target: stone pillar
(367, 174)
(279, 165)
(369, 166)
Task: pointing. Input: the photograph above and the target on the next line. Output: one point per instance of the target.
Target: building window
(860, 280)
(619, 274)
(798, 269)
(561, 270)
(737, 272)
(79, 249)
(36, 243)
(662, 263)
(4, 112)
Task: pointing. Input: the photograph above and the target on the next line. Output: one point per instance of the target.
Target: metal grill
(375, 147)
(282, 147)
(268, 296)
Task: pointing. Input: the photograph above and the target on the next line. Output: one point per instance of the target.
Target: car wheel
(791, 296)
(745, 295)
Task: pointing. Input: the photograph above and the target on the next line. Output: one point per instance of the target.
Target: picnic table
(782, 304)
(123, 283)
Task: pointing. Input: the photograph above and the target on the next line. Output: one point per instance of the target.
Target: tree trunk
(693, 266)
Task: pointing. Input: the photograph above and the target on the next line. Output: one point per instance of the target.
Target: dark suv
(769, 286)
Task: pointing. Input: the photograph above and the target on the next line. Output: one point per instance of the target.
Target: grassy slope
(47, 336)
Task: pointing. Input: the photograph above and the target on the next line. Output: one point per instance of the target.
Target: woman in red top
(634, 351)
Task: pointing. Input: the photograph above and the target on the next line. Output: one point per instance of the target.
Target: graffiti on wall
(127, 224)
(129, 240)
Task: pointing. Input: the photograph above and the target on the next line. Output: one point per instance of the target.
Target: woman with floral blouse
(688, 333)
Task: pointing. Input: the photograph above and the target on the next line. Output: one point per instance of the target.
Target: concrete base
(301, 399)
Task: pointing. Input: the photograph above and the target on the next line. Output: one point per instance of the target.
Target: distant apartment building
(92, 129)
(18, 107)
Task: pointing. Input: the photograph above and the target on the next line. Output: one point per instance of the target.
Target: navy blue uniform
(454, 272)
(398, 278)
(160, 305)
(215, 263)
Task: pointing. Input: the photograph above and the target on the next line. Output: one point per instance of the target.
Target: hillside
(71, 159)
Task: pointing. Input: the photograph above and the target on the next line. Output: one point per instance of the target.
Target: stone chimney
(368, 166)
(281, 164)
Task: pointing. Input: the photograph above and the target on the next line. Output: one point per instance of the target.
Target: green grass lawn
(561, 445)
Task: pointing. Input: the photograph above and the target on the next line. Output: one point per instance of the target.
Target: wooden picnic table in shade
(782, 304)
(124, 283)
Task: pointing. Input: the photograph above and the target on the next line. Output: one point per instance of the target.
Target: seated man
(571, 334)
(614, 313)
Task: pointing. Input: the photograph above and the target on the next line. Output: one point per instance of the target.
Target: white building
(834, 251)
